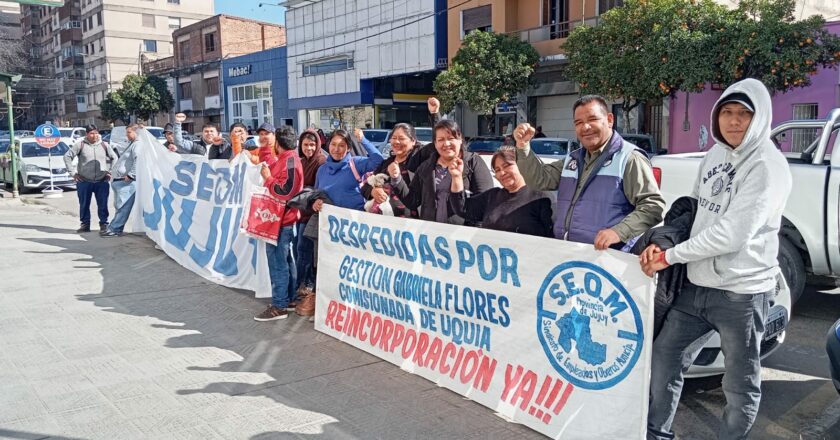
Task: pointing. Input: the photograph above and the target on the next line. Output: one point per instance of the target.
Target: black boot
(84, 228)
(103, 228)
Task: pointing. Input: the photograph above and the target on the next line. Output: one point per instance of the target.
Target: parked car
(485, 145)
(73, 133)
(380, 138)
(24, 133)
(35, 166)
(809, 240)
(832, 347)
(645, 142)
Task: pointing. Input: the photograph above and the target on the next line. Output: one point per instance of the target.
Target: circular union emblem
(589, 326)
(572, 165)
(717, 186)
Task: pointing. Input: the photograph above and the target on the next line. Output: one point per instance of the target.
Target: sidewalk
(109, 338)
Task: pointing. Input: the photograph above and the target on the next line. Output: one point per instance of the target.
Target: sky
(251, 9)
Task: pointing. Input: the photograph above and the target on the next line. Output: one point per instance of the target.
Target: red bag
(264, 216)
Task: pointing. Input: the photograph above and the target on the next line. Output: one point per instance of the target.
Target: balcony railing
(552, 31)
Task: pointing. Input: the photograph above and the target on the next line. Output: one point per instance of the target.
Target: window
(328, 65)
(211, 86)
(150, 45)
(185, 90)
(210, 42)
(80, 99)
(148, 20)
(803, 137)
(476, 19)
(101, 46)
(174, 2)
(84, 26)
(606, 5)
(174, 23)
(90, 22)
(99, 18)
(184, 50)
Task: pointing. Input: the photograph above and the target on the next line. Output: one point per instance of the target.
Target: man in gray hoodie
(741, 189)
(92, 175)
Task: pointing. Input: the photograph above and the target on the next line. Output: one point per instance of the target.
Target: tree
(765, 42)
(12, 54)
(113, 108)
(488, 69)
(140, 95)
(650, 49)
(647, 50)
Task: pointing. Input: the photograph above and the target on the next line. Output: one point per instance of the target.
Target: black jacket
(671, 280)
(303, 202)
(223, 151)
(421, 193)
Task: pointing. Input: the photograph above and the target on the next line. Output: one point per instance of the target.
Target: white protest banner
(192, 208)
(552, 334)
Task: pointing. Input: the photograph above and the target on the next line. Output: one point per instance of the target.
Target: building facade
(199, 51)
(365, 63)
(256, 89)
(85, 48)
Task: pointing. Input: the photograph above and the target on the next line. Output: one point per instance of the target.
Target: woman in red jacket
(283, 174)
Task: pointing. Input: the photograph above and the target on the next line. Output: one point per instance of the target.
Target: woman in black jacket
(429, 189)
(514, 207)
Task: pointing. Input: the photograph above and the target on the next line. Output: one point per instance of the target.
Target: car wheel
(793, 268)
(21, 189)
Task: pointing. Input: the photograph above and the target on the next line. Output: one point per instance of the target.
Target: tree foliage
(489, 68)
(140, 95)
(13, 57)
(650, 49)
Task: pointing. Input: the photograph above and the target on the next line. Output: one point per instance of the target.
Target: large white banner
(551, 334)
(192, 208)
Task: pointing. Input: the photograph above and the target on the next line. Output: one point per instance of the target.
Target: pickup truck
(809, 240)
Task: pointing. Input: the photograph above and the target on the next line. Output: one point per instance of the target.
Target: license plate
(774, 327)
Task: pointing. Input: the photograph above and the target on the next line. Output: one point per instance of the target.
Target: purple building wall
(823, 91)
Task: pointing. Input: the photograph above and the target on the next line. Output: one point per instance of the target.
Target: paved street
(112, 339)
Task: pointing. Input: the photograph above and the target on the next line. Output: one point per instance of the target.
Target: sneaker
(83, 228)
(103, 226)
(272, 313)
(292, 305)
(109, 234)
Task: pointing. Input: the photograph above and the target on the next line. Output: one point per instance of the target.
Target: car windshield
(485, 145)
(376, 135)
(4, 146)
(66, 132)
(424, 134)
(156, 132)
(31, 149)
(556, 148)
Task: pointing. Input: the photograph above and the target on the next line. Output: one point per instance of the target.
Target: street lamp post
(9, 81)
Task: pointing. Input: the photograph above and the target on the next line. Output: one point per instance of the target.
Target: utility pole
(9, 81)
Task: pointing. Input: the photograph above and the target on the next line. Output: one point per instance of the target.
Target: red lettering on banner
(339, 316)
(331, 309)
(447, 353)
(408, 347)
(365, 323)
(521, 386)
(422, 346)
(485, 373)
(434, 354)
(387, 331)
(376, 331)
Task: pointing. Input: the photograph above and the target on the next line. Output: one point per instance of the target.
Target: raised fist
(394, 170)
(523, 134)
(456, 168)
(434, 105)
(359, 134)
(180, 118)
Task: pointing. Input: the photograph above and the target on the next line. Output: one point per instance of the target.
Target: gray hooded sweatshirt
(95, 160)
(741, 195)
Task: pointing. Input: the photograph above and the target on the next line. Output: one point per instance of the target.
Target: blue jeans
(124, 202)
(305, 258)
(281, 268)
(739, 319)
(88, 190)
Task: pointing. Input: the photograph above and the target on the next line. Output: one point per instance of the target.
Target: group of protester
(717, 248)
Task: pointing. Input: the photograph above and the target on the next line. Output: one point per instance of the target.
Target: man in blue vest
(606, 192)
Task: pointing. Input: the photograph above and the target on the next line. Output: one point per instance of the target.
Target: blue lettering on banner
(220, 247)
(589, 326)
(489, 262)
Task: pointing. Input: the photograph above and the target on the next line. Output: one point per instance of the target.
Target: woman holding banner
(311, 157)
(513, 208)
(430, 188)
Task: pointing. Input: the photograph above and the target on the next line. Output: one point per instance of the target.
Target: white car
(74, 133)
(36, 165)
